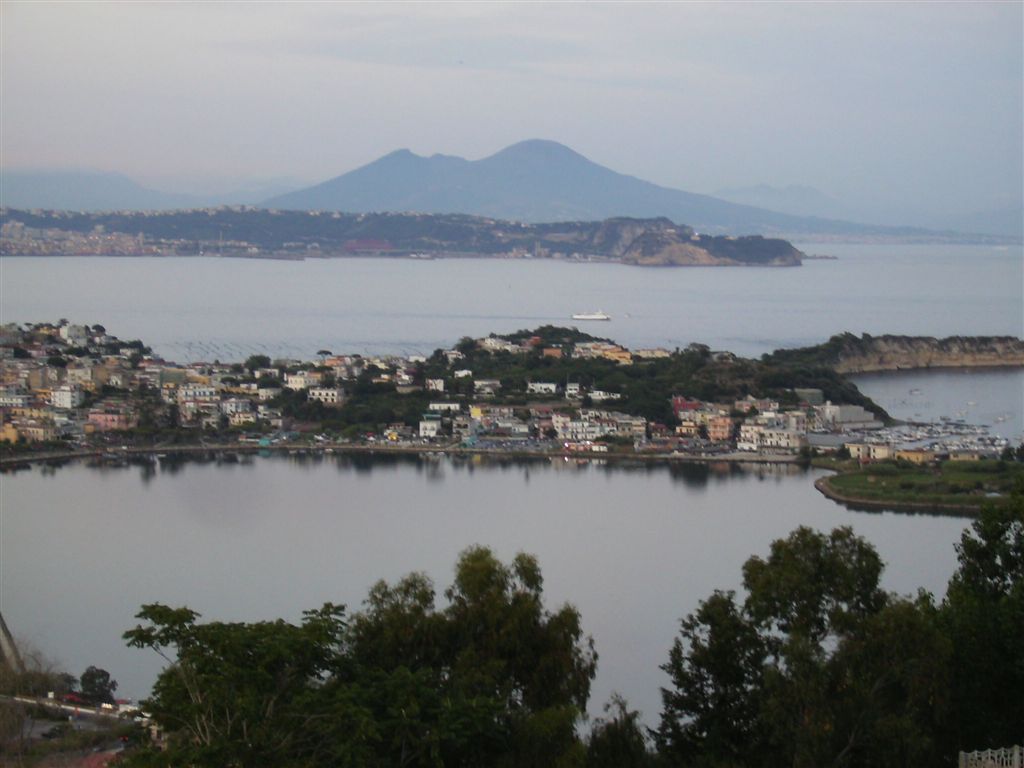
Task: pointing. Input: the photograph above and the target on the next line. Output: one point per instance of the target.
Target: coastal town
(73, 388)
(256, 233)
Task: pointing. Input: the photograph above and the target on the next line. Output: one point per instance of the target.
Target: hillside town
(78, 387)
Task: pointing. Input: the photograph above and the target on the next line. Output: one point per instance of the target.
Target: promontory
(260, 233)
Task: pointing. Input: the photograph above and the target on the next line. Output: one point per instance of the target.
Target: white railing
(1010, 757)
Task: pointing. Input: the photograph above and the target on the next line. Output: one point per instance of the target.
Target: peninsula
(259, 233)
(849, 354)
(549, 391)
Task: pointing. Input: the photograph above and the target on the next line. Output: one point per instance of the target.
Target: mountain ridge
(539, 181)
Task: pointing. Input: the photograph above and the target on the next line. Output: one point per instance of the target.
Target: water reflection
(695, 474)
(633, 545)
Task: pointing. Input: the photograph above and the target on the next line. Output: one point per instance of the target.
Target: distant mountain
(97, 191)
(795, 199)
(1008, 222)
(540, 181)
(84, 191)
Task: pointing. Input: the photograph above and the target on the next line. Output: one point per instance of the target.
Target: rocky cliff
(847, 353)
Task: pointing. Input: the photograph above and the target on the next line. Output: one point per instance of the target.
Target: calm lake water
(207, 308)
(633, 549)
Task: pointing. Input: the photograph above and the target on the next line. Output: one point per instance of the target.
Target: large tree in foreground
(983, 615)
(817, 667)
(491, 679)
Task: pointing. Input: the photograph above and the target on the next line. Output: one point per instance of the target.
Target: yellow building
(915, 456)
(619, 355)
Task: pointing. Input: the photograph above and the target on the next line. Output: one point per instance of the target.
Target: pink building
(112, 419)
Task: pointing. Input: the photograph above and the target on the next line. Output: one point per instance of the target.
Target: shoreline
(328, 449)
(825, 488)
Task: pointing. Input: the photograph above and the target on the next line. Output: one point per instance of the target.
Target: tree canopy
(492, 678)
(818, 665)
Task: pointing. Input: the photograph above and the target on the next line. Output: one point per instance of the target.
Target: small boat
(599, 315)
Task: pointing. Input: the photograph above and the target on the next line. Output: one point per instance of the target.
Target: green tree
(254, 362)
(96, 685)
(983, 615)
(618, 740)
(819, 667)
(717, 668)
(235, 694)
(492, 679)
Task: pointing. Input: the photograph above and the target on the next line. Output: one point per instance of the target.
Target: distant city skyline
(901, 113)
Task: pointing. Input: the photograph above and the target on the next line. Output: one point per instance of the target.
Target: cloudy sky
(887, 106)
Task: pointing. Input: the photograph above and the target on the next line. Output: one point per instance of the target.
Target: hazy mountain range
(99, 191)
(532, 181)
(798, 200)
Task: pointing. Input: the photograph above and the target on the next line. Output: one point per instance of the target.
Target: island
(245, 232)
(77, 391)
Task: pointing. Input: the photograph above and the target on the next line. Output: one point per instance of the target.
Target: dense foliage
(816, 665)
(819, 666)
(493, 678)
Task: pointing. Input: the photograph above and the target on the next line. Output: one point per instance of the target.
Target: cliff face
(660, 243)
(891, 353)
(847, 353)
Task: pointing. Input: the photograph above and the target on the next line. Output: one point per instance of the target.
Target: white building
(66, 397)
(844, 417)
(241, 418)
(302, 380)
(444, 407)
(197, 393)
(430, 427)
(657, 353)
(14, 398)
(542, 388)
(267, 393)
(494, 344)
(332, 396)
(74, 334)
(235, 405)
(486, 386)
(750, 437)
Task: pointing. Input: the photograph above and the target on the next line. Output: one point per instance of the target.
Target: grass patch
(962, 483)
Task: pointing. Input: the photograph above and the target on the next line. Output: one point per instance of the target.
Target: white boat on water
(599, 315)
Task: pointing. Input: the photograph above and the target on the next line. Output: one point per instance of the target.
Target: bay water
(215, 308)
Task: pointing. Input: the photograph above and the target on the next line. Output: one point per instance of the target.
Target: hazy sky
(916, 105)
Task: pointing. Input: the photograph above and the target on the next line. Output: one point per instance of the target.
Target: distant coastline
(261, 233)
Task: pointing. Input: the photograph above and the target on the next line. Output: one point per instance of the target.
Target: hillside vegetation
(849, 353)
